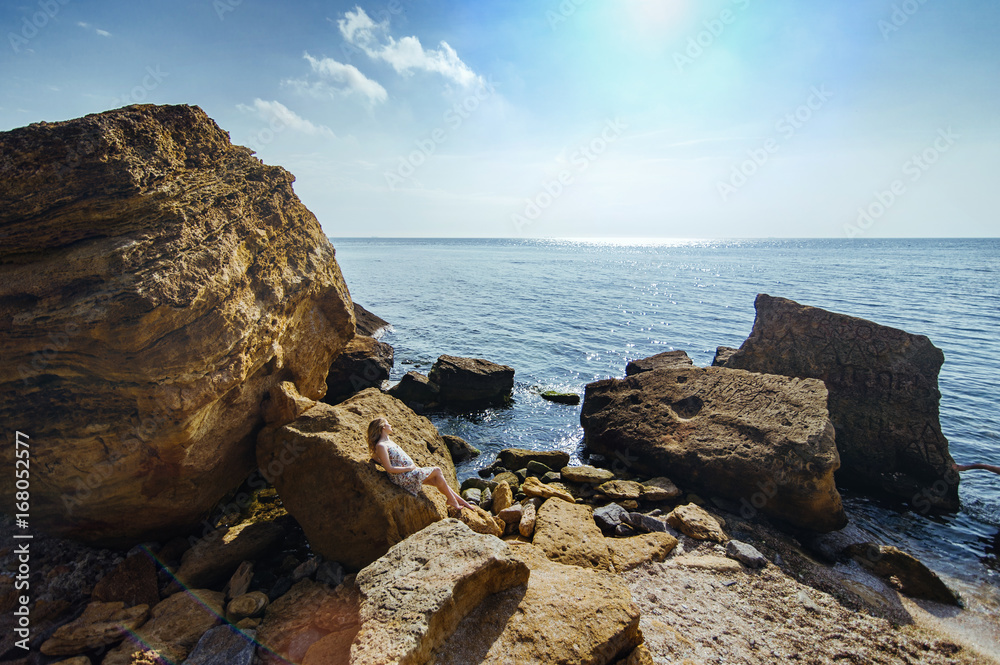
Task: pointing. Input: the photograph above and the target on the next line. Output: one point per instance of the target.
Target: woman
(401, 468)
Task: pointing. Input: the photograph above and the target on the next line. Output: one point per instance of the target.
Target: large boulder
(155, 282)
(471, 382)
(883, 395)
(565, 614)
(763, 440)
(414, 597)
(349, 509)
(365, 363)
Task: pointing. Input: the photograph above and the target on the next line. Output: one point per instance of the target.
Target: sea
(565, 312)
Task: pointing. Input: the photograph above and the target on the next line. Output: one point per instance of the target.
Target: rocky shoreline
(197, 381)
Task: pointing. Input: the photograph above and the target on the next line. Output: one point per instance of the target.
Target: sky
(560, 118)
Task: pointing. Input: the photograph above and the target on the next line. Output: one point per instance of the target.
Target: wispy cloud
(89, 27)
(405, 55)
(281, 117)
(339, 80)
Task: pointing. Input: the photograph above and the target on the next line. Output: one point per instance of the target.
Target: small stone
(305, 569)
(630, 504)
(478, 483)
(536, 468)
(239, 583)
(552, 477)
(486, 499)
(807, 601)
(693, 521)
(459, 448)
(248, 624)
(609, 517)
(503, 497)
(473, 495)
(224, 644)
(644, 523)
(746, 554)
(660, 489)
(624, 531)
(522, 474)
(586, 474)
(621, 490)
(534, 487)
(330, 572)
(478, 520)
(511, 517)
(248, 605)
(561, 398)
(507, 477)
(529, 516)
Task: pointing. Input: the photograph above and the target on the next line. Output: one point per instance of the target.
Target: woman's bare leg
(436, 479)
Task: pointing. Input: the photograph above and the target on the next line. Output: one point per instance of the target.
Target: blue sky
(571, 118)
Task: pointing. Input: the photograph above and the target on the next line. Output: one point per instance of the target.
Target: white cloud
(280, 117)
(346, 79)
(88, 26)
(405, 55)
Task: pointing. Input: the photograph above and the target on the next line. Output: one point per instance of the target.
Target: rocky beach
(191, 381)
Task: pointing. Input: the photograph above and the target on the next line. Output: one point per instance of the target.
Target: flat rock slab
(567, 533)
(660, 489)
(765, 441)
(627, 553)
(173, 629)
(884, 398)
(746, 554)
(100, 624)
(586, 474)
(659, 361)
(719, 564)
(534, 487)
(322, 468)
(565, 614)
(414, 597)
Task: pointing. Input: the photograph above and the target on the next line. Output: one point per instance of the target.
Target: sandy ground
(800, 612)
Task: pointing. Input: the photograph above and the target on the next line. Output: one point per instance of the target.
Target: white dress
(408, 480)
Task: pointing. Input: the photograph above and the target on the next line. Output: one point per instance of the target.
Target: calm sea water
(564, 313)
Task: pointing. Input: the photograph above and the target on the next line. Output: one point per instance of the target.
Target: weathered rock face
(762, 440)
(368, 324)
(565, 614)
(883, 394)
(414, 597)
(469, 382)
(312, 623)
(365, 363)
(155, 282)
(173, 629)
(659, 361)
(349, 509)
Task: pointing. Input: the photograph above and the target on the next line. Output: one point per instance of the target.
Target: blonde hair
(375, 432)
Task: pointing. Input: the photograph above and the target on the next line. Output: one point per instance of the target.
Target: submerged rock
(349, 509)
(904, 571)
(518, 458)
(763, 440)
(459, 448)
(560, 398)
(884, 398)
(155, 282)
(471, 382)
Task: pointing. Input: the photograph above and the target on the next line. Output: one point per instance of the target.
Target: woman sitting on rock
(401, 468)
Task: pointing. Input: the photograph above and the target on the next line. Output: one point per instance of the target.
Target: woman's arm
(382, 455)
(984, 467)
